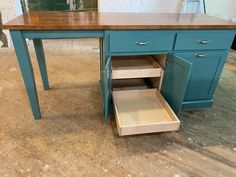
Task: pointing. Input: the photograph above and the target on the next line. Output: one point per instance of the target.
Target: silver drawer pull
(142, 43)
(201, 55)
(204, 41)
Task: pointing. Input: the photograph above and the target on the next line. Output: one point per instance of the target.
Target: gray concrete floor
(72, 139)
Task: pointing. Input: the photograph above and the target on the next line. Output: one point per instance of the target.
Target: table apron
(52, 34)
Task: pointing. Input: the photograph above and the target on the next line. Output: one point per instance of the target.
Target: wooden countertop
(101, 21)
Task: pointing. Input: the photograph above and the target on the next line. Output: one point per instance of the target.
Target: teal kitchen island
(151, 65)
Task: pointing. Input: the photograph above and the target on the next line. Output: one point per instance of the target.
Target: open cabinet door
(107, 89)
(175, 81)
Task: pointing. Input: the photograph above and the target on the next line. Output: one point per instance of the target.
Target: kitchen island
(183, 53)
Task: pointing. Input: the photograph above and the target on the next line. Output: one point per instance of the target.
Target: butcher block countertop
(116, 21)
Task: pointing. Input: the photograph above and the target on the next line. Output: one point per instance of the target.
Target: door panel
(107, 88)
(175, 81)
(204, 73)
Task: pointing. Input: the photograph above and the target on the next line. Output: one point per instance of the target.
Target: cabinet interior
(137, 72)
(139, 105)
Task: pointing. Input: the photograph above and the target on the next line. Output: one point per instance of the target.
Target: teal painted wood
(105, 79)
(26, 70)
(175, 80)
(38, 46)
(139, 53)
(107, 84)
(197, 104)
(141, 40)
(101, 52)
(218, 72)
(205, 73)
(196, 40)
(63, 34)
(101, 80)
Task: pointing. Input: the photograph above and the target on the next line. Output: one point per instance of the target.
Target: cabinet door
(175, 81)
(206, 69)
(107, 88)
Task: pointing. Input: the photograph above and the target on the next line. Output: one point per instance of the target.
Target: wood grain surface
(101, 21)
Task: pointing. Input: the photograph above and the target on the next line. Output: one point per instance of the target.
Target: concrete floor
(72, 139)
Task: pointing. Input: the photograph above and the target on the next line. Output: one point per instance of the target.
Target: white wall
(222, 8)
(9, 9)
(139, 5)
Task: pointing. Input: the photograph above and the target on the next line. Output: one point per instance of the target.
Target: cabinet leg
(38, 45)
(25, 65)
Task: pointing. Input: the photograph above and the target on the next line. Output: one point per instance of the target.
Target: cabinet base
(197, 104)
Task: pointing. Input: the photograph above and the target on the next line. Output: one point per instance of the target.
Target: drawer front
(141, 41)
(203, 40)
(206, 70)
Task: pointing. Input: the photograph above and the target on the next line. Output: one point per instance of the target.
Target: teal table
(197, 47)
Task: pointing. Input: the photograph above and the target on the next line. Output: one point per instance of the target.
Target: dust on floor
(72, 139)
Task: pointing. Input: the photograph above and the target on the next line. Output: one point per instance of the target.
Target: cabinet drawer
(143, 111)
(141, 41)
(203, 40)
(135, 67)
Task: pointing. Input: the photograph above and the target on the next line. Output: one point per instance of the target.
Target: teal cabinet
(205, 73)
(175, 81)
(195, 62)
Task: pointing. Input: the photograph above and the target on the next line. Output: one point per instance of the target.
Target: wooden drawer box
(135, 67)
(203, 40)
(129, 84)
(141, 41)
(143, 111)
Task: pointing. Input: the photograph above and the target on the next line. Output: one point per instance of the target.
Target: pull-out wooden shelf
(143, 111)
(135, 67)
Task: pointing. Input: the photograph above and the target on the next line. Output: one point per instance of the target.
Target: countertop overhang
(115, 21)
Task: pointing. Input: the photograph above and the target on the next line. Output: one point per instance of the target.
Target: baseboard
(197, 104)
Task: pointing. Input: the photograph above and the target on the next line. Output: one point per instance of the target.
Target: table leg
(23, 57)
(38, 45)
